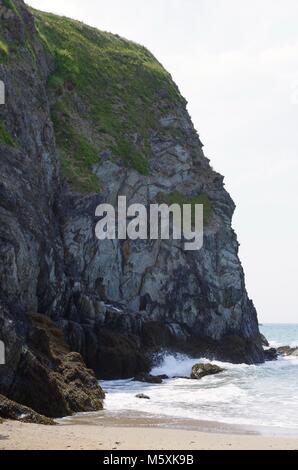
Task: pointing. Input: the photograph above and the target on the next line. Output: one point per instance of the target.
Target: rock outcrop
(148, 378)
(142, 396)
(201, 370)
(49, 378)
(88, 117)
(271, 354)
(12, 410)
(264, 341)
(287, 351)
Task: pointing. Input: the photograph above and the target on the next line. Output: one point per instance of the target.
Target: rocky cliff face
(88, 117)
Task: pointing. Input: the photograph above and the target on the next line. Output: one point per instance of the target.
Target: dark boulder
(151, 379)
(201, 370)
(271, 354)
(142, 396)
(287, 351)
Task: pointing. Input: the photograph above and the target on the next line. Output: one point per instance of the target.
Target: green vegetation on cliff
(3, 50)
(106, 96)
(8, 4)
(178, 198)
(78, 155)
(5, 137)
(12, 51)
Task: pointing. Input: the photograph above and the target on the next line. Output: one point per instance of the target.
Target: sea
(263, 395)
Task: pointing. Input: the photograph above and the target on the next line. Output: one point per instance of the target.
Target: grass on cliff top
(179, 198)
(117, 80)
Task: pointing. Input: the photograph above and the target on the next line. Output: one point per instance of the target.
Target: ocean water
(263, 395)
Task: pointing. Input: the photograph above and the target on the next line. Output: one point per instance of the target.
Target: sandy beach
(107, 436)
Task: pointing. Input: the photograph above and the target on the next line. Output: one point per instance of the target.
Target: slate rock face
(117, 302)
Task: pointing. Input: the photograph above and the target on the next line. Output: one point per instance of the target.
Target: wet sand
(119, 433)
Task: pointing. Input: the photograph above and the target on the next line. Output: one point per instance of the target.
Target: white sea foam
(175, 365)
(242, 394)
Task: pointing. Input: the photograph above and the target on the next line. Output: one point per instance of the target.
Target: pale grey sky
(236, 62)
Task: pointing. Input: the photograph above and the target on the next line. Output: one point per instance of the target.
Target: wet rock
(181, 377)
(287, 351)
(264, 341)
(152, 379)
(231, 348)
(201, 370)
(271, 354)
(142, 396)
(50, 378)
(117, 355)
(12, 410)
(156, 335)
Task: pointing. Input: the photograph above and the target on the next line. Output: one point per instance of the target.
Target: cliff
(90, 116)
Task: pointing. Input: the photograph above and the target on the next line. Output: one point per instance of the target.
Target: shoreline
(134, 419)
(83, 432)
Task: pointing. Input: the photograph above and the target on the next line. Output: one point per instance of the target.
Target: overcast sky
(236, 63)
